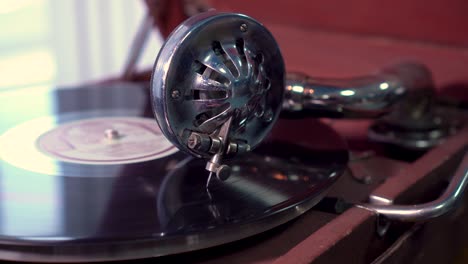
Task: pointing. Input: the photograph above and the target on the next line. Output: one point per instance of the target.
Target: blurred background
(63, 43)
(69, 42)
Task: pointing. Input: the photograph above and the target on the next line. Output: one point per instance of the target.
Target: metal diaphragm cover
(217, 85)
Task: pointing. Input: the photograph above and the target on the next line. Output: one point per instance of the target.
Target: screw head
(111, 134)
(268, 116)
(243, 27)
(194, 141)
(175, 94)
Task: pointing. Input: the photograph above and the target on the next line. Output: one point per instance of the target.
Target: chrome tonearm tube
(360, 97)
(219, 85)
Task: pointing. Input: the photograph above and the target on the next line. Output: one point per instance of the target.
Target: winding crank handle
(422, 212)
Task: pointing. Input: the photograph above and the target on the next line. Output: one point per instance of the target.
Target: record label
(45, 145)
(112, 140)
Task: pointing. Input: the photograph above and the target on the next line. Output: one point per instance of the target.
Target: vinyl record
(84, 176)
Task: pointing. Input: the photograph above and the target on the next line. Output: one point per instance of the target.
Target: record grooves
(65, 211)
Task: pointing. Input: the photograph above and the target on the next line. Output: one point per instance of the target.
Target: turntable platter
(63, 209)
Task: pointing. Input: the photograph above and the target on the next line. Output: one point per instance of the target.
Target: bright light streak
(347, 93)
(298, 89)
(384, 86)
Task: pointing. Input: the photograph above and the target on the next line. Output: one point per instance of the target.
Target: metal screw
(175, 94)
(268, 116)
(194, 141)
(111, 134)
(243, 27)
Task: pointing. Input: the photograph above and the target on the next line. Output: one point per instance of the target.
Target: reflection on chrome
(422, 212)
(383, 86)
(347, 92)
(365, 96)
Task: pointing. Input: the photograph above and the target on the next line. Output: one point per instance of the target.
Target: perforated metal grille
(232, 82)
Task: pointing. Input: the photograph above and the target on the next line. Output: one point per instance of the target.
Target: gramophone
(219, 85)
(257, 162)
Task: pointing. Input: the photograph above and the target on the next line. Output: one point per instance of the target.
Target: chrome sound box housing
(217, 86)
